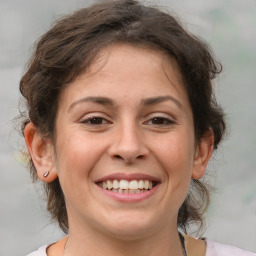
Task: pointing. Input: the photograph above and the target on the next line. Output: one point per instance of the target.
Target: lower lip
(129, 198)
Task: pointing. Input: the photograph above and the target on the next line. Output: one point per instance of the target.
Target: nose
(128, 145)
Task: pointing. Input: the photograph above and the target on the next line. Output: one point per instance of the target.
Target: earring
(46, 174)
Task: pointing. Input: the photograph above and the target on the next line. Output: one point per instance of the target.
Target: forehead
(120, 66)
(131, 55)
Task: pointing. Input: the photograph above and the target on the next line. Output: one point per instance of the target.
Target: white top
(216, 249)
(212, 249)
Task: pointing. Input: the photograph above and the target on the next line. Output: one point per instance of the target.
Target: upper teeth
(125, 184)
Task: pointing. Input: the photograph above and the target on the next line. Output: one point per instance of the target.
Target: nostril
(126, 159)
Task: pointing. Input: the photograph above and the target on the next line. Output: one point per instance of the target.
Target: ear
(203, 154)
(41, 152)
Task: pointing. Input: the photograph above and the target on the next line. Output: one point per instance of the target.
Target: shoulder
(40, 252)
(216, 249)
(55, 248)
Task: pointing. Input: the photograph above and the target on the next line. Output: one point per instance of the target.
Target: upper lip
(128, 176)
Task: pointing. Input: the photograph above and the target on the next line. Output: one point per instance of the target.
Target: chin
(130, 227)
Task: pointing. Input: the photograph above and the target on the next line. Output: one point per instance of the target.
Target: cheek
(176, 153)
(74, 161)
(76, 154)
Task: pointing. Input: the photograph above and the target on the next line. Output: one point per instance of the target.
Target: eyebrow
(160, 99)
(108, 102)
(98, 100)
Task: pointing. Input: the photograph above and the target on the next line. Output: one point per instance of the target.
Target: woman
(121, 124)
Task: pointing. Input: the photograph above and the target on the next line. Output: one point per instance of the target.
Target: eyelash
(163, 121)
(154, 121)
(96, 119)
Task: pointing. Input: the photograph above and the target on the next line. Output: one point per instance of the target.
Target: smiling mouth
(127, 187)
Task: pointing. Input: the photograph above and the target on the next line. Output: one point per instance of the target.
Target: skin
(133, 134)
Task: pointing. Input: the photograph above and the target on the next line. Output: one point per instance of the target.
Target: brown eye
(160, 121)
(95, 121)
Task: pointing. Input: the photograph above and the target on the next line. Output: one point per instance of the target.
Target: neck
(87, 243)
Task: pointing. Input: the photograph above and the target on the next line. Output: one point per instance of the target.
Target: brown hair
(71, 45)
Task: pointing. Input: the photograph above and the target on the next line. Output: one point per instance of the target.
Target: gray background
(230, 28)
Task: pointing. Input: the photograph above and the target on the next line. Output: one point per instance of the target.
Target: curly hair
(71, 46)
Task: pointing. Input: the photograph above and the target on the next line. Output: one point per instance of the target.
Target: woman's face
(122, 127)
